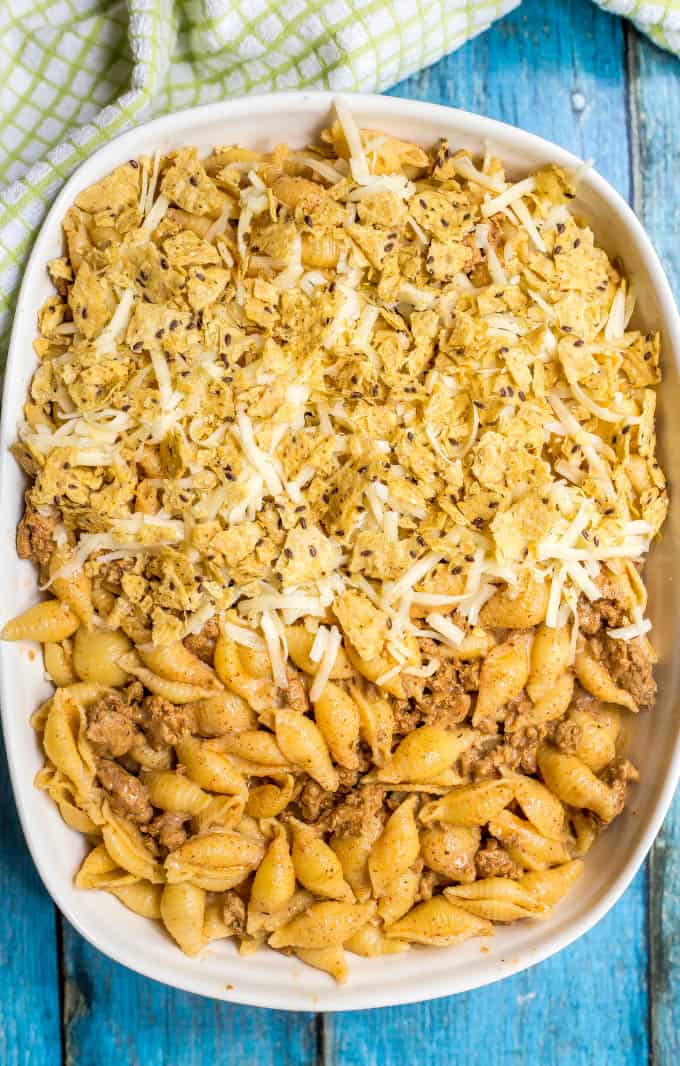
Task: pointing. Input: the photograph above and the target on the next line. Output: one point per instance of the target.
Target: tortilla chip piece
(206, 286)
(112, 194)
(364, 624)
(445, 260)
(152, 324)
(91, 301)
(186, 184)
(186, 249)
(307, 555)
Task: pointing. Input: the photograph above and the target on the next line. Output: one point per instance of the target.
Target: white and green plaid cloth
(75, 72)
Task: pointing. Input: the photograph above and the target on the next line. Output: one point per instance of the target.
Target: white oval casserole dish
(269, 979)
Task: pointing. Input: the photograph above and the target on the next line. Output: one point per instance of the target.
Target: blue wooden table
(564, 70)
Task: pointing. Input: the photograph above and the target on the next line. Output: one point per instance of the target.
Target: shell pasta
(341, 480)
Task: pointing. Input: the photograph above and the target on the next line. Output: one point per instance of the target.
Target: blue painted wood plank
(655, 78)
(114, 1017)
(556, 69)
(586, 1005)
(29, 978)
(559, 71)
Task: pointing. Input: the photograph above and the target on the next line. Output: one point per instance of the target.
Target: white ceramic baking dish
(267, 978)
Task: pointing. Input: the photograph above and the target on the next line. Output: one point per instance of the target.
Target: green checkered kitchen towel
(75, 72)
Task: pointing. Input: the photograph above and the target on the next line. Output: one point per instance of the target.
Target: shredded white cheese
(330, 654)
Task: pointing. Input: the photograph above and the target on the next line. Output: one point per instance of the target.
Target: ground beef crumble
(592, 617)
(296, 693)
(165, 723)
(493, 861)
(111, 727)
(129, 797)
(630, 665)
(34, 536)
(360, 814)
(203, 644)
(234, 913)
(169, 829)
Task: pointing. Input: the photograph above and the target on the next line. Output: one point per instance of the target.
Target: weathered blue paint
(113, 1017)
(655, 85)
(29, 977)
(555, 69)
(570, 73)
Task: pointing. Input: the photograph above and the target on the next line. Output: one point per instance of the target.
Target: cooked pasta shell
(174, 691)
(576, 784)
(317, 867)
(324, 924)
(300, 901)
(504, 674)
(552, 705)
(337, 716)
(65, 742)
(141, 897)
(148, 758)
(99, 870)
(256, 662)
(396, 849)
(331, 960)
(218, 849)
(426, 753)
(222, 812)
(374, 669)
(302, 742)
(548, 886)
(512, 609)
(494, 910)
(175, 792)
(597, 680)
(253, 745)
(369, 941)
(594, 735)
(300, 640)
(352, 852)
(469, 805)
(551, 655)
(183, 914)
(174, 662)
(274, 881)
(58, 661)
(96, 653)
(524, 844)
(476, 643)
(376, 724)
(210, 769)
(585, 829)
(270, 800)
(400, 896)
(259, 693)
(293, 191)
(217, 880)
(450, 850)
(440, 923)
(540, 806)
(223, 712)
(49, 621)
(125, 845)
(85, 693)
(499, 899)
(214, 925)
(321, 251)
(74, 590)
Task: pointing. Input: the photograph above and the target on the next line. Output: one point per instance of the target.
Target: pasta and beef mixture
(342, 472)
